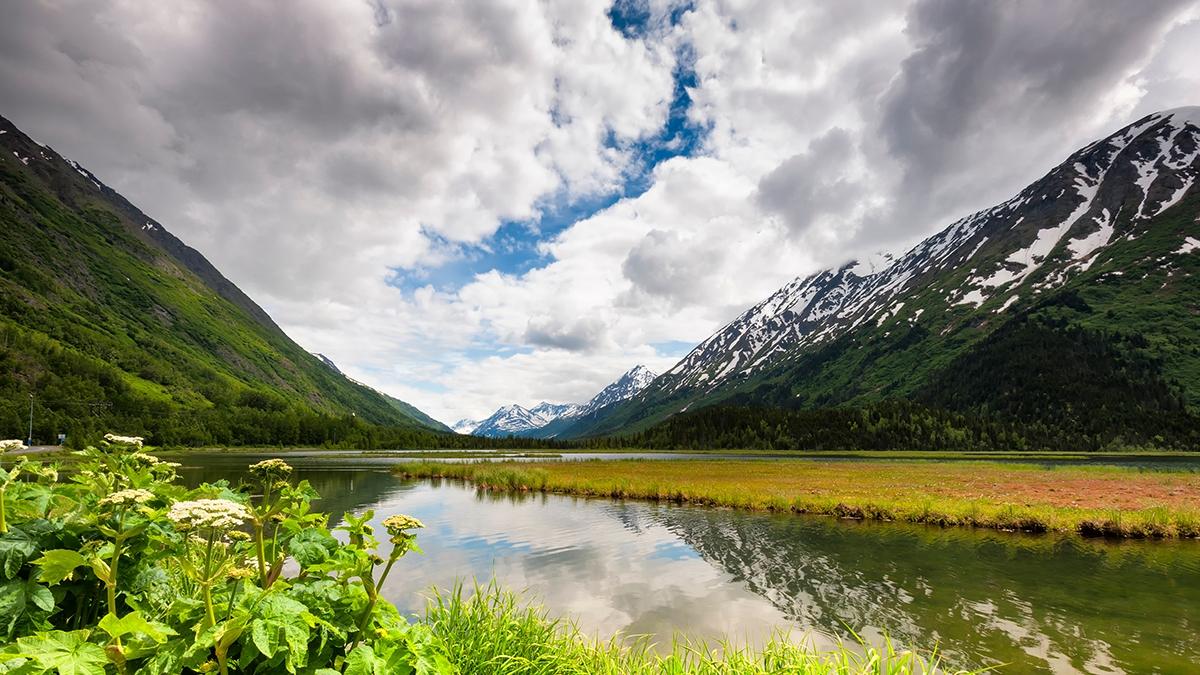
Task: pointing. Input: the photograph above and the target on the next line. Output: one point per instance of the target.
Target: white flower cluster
(135, 441)
(127, 498)
(218, 514)
(399, 523)
(271, 469)
(9, 446)
(144, 459)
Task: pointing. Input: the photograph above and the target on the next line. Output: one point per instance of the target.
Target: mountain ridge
(1081, 219)
(103, 311)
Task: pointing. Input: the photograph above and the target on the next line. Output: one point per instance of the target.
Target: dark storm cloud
(814, 183)
(581, 335)
(670, 267)
(987, 74)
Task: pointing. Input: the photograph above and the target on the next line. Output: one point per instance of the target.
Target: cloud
(990, 81)
(341, 161)
(582, 335)
(819, 182)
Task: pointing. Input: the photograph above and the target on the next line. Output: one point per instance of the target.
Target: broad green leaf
(12, 603)
(18, 597)
(312, 547)
(40, 596)
(167, 659)
(429, 652)
(16, 547)
(58, 564)
(363, 661)
(265, 635)
(280, 623)
(66, 653)
(134, 622)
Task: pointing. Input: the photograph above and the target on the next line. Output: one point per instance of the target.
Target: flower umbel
(135, 441)
(399, 523)
(10, 445)
(143, 459)
(127, 498)
(217, 514)
(271, 470)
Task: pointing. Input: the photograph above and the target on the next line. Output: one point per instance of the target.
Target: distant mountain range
(114, 324)
(550, 420)
(1075, 303)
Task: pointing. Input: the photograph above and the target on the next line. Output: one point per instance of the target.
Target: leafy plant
(113, 567)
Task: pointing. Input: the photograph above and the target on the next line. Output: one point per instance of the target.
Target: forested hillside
(109, 322)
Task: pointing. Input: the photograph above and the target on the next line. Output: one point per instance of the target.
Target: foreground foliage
(491, 631)
(113, 567)
(116, 568)
(1025, 497)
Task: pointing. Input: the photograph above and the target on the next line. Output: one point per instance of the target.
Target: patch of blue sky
(672, 348)
(516, 246)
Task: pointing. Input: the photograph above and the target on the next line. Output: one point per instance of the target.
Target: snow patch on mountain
(553, 411)
(465, 426)
(326, 360)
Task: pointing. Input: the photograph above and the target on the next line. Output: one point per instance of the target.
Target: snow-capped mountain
(553, 411)
(546, 420)
(971, 275)
(509, 420)
(465, 426)
(1052, 230)
(627, 386)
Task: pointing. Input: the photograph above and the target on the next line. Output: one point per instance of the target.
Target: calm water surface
(1037, 603)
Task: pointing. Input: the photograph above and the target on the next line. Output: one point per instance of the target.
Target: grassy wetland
(1087, 500)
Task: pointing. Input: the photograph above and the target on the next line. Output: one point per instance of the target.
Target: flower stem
(206, 584)
(391, 561)
(261, 554)
(372, 596)
(116, 561)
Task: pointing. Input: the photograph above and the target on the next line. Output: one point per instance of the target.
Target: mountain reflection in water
(1037, 603)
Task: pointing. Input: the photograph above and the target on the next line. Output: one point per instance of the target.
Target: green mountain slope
(113, 323)
(1074, 306)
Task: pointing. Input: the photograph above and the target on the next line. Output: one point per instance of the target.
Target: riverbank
(493, 631)
(1086, 500)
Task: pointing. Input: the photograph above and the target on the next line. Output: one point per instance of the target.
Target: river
(1038, 603)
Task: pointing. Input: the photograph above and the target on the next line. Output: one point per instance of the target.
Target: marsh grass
(1019, 497)
(493, 631)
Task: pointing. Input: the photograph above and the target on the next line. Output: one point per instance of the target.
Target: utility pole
(30, 440)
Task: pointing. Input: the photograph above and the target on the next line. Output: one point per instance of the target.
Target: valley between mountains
(1068, 314)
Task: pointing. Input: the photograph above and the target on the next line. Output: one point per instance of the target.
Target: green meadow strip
(912, 492)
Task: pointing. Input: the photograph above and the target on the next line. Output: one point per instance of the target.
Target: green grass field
(1088, 500)
(492, 631)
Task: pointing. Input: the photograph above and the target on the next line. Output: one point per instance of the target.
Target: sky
(470, 204)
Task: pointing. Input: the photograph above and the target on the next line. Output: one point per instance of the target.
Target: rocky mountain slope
(112, 322)
(1105, 243)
